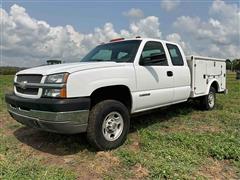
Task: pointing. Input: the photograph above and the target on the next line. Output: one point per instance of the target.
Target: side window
(153, 54)
(103, 54)
(175, 54)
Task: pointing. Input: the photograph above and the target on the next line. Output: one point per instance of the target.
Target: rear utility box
(203, 71)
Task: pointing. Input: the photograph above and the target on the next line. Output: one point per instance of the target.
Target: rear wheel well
(215, 85)
(119, 92)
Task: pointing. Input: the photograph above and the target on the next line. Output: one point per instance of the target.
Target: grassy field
(177, 142)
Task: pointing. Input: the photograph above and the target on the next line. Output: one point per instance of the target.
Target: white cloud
(28, 42)
(176, 38)
(219, 36)
(147, 27)
(134, 13)
(169, 5)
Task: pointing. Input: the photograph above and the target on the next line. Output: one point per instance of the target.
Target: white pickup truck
(115, 80)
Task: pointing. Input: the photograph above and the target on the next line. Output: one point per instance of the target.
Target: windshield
(123, 51)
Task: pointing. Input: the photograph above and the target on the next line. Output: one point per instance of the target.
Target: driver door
(154, 78)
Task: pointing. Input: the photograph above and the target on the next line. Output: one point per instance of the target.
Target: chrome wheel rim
(112, 126)
(211, 100)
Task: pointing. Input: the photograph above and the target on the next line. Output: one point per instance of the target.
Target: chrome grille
(28, 78)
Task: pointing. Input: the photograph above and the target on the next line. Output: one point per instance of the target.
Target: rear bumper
(66, 116)
(224, 92)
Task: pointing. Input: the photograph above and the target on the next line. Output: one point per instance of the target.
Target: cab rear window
(176, 56)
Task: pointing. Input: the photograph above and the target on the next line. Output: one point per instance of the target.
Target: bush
(9, 70)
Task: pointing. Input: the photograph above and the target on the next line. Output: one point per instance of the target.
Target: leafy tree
(233, 65)
(236, 64)
(228, 64)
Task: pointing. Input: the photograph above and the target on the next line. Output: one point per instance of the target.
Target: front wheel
(208, 101)
(108, 125)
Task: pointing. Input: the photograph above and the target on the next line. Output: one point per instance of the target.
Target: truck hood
(69, 67)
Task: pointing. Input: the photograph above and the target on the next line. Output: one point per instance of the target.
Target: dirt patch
(215, 169)
(46, 158)
(104, 161)
(67, 151)
(139, 171)
(2, 157)
(85, 166)
(207, 128)
(7, 124)
(97, 166)
(197, 116)
(87, 174)
(107, 156)
(3, 119)
(134, 142)
(85, 170)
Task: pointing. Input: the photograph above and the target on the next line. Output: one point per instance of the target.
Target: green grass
(178, 147)
(6, 82)
(18, 164)
(176, 155)
(15, 164)
(176, 142)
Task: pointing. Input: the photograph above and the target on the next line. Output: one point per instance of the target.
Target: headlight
(56, 79)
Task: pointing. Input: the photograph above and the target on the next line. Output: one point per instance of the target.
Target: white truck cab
(98, 94)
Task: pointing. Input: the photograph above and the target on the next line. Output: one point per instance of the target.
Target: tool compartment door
(216, 70)
(200, 70)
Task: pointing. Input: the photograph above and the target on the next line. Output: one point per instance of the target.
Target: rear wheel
(208, 101)
(108, 125)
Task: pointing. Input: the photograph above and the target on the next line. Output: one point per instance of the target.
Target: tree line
(6, 70)
(233, 65)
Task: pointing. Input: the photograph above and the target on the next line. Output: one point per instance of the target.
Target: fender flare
(210, 82)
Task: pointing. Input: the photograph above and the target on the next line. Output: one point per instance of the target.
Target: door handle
(169, 73)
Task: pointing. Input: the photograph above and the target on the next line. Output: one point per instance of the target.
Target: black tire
(98, 114)
(206, 103)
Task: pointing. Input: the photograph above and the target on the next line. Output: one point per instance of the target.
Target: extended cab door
(181, 73)
(154, 78)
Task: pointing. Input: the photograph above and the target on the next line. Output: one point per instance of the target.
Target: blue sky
(87, 15)
(34, 31)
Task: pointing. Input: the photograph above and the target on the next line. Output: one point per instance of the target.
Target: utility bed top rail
(204, 58)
